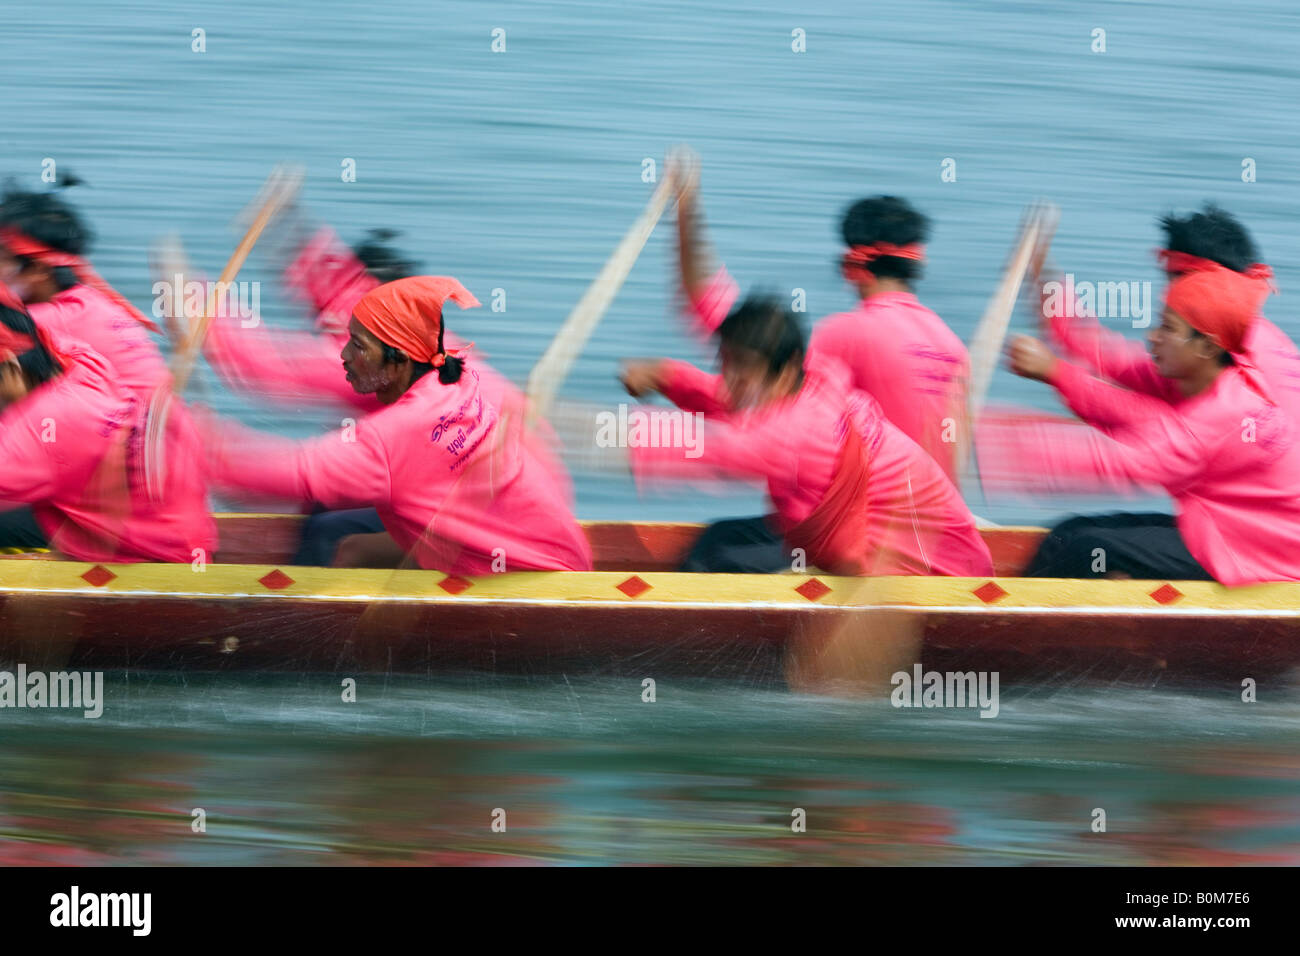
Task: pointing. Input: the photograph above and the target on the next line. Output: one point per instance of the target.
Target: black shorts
(1142, 546)
(739, 546)
(18, 529)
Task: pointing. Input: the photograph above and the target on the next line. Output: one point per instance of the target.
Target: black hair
(1225, 357)
(37, 364)
(448, 374)
(48, 219)
(381, 260)
(1212, 233)
(886, 219)
(762, 324)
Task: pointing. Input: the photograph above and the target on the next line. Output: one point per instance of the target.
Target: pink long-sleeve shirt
(73, 450)
(1229, 459)
(288, 367)
(1008, 440)
(1127, 362)
(433, 460)
(895, 349)
(918, 522)
(85, 314)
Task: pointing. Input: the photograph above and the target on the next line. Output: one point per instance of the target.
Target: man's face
(363, 359)
(1175, 349)
(749, 379)
(26, 279)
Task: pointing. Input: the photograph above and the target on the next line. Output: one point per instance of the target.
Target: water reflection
(706, 775)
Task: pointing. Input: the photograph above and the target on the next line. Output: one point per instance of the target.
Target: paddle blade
(553, 367)
(853, 652)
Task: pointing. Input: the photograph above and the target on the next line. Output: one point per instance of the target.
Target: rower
(301, 366)
(71, 440)
(848, 487)
(895, 349)
(458, 488)
(291, 366)
(1207, 239)
(42, 245)
(1211, 435)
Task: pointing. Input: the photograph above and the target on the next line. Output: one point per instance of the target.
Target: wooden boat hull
(632, 617)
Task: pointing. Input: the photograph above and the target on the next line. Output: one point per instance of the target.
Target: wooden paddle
(553, 367)
(986, 344)
(279, 191)
(280, 188)
(1037, 226)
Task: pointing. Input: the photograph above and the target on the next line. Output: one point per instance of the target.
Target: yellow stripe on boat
(658, 588)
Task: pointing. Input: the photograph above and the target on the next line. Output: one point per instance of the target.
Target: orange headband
(407, 314)
(23, 245)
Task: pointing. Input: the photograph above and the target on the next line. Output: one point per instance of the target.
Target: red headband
(21, 244)
(1182, 263)
(861, 255)
(1219, 303)
(407, 314)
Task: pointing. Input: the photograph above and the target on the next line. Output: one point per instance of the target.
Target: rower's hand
(1030, 358)
(684, 167)
(1050, 283)
(641, 378)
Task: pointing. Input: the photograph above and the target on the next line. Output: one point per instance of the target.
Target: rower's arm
(712, 449)
(1008, 448)
(1143, 459)
(1108, 353)
(1148, 444)
(710, 291)
(344, 469)
(287, 368)
(695, 259)
(692, 389)
(1101, 404)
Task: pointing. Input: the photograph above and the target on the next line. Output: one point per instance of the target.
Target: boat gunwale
(675, 590)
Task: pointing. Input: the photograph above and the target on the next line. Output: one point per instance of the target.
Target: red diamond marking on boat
(454, 584)
(98, 576)
(634, 587)
(813, 589)
(1166, 594)
(276, 580)
(990, 592)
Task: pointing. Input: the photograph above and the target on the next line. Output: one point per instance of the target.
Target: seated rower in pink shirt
(456, 486)
(42, 239)
(291, 366)
(1207, 240)
(1214, 439)
(895, 349)
(71, 445)
(848, 487)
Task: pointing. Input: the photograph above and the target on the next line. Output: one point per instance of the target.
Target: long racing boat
(633, 614)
